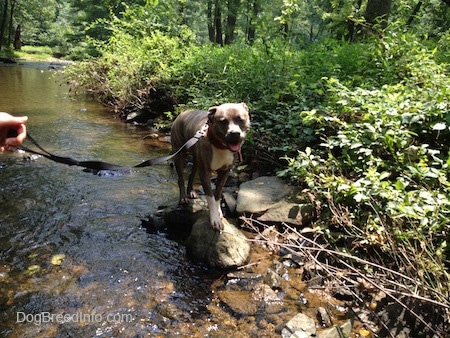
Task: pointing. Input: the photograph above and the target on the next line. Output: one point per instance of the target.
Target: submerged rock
(225, 249)
(256, 299)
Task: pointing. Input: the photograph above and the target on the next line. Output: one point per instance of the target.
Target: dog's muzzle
(234, 141)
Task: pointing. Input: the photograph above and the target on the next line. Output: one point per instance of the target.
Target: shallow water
(75, 260)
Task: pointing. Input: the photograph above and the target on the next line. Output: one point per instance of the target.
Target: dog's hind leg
(190, 187)
(179, 167)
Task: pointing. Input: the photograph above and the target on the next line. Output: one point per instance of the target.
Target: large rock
(267, 200)
(185, 216)
(287, 212)
(225, 249)
(336, 331)
(299, 326)
(176, 219)
(261, 194)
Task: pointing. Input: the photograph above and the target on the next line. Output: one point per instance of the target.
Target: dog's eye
(223, 120)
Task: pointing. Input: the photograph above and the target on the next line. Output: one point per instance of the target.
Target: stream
(74, 258)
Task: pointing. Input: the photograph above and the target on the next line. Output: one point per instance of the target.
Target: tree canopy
(68, 24)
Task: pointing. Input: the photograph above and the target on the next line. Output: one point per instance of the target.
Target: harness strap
(99, 165)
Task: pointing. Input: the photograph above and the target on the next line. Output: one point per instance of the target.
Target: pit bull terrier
(216, 151)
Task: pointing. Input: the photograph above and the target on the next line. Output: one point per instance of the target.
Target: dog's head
(228, 125)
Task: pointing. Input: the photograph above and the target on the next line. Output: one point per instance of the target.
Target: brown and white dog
(217, 151)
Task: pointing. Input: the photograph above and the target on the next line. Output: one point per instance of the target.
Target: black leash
(99, 165)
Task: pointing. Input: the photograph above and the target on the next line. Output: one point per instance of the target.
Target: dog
(217, 151)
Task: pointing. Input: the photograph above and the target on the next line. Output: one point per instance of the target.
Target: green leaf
(400, 184)
(359, 197)
(439, 126)
(32, 269)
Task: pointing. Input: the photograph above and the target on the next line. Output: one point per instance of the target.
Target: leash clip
(202, 132)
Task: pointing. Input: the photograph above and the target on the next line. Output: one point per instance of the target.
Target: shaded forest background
(350, 102)
(68, 26)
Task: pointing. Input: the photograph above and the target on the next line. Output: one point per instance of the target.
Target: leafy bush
(136, 60)
(380, 164)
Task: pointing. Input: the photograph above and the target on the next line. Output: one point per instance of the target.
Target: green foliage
(137, 58)
(380, 163)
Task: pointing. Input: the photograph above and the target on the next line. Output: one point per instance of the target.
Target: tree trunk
(352, 25)
(253, 13)
(414, 13)
(218, 23)
(17, 38)
(377, 12)
(3, 23)
(210, 20)
(11, 23)
(233, 8)
(285, 30)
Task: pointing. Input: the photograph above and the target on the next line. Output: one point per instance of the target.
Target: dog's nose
(234, 136)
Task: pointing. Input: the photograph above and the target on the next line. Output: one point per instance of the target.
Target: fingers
(21, 135)
(7, 119)
(14, 125)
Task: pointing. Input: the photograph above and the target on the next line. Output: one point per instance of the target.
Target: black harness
(99, 165)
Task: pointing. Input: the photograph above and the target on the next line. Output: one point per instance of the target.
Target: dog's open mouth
(235, 147)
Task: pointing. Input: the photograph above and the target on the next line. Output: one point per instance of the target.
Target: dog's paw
(185, 201)
(215, 213)
(217, 224)
(216, 221)
(192, 194)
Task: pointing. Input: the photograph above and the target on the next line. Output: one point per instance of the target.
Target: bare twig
(386, 280)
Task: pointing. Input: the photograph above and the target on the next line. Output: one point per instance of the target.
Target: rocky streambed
(267, 285)
(277, 277)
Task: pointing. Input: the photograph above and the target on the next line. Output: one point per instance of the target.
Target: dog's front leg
(215, 213)
(216, 223)
(222, 176)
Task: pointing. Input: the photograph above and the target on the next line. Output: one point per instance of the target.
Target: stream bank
(291, 278)
(73, 242)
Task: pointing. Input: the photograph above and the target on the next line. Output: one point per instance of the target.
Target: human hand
(12, 131)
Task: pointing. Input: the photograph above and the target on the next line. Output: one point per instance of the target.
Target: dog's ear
(245, 106)
(211, 112)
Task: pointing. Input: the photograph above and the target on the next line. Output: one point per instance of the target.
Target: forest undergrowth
(361, 127)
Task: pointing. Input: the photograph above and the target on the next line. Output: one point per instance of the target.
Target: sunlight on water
(90, 225)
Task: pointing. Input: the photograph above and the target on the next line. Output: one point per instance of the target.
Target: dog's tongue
(235, 147)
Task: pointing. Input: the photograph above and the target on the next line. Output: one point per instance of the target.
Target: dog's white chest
(221, 158)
